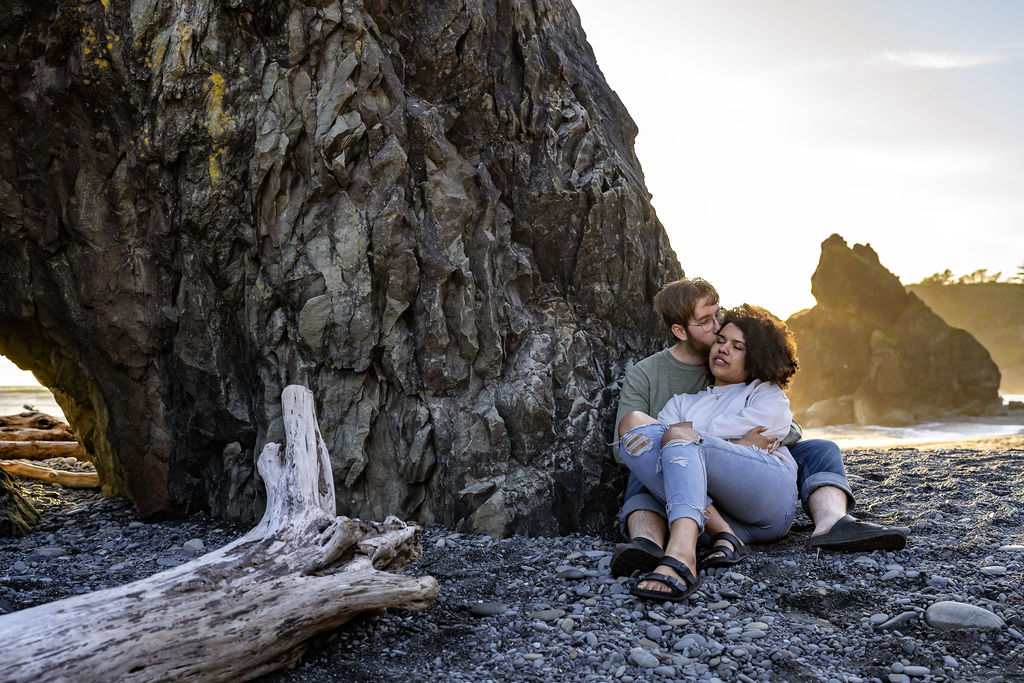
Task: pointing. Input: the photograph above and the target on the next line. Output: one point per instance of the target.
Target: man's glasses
(708, 324)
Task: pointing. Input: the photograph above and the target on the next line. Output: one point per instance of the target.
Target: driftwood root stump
(243, 610)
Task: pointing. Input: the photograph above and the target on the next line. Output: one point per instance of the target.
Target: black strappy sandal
(725, 556)
(678, 591)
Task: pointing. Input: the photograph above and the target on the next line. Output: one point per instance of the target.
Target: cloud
(933, 60)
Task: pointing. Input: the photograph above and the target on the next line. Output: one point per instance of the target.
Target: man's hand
(756, 438)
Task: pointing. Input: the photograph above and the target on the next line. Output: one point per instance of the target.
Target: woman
(685, 459)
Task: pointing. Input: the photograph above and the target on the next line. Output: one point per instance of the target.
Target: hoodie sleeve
(766, 406)
(675, 410)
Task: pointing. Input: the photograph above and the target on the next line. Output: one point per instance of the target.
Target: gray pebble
(194, 545)
(901, 618)
(487, 609)
(654, 633)
(994, 570)
(570, 573)
(950, 615)
(916, 671)
(644, 659)
(548, 614)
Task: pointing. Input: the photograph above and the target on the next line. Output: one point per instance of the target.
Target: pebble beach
(948, 607)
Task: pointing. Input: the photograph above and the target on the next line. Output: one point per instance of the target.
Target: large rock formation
(430, 214)
(872, 353)
(991, 311)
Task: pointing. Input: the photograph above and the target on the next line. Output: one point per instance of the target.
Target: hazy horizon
(766, 127)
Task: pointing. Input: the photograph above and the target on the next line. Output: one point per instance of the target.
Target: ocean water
(860, 436)
(13, 399)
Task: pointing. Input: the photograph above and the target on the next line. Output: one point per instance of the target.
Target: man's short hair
(676, 300)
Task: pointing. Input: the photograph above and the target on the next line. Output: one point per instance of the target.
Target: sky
(767, 126)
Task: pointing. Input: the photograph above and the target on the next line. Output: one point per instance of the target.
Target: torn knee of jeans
(680, 460)
(680, 442)
(637, 444)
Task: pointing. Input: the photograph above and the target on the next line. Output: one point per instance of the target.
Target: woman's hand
(756, 438)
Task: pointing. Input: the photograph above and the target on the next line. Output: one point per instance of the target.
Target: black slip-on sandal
(640, 554)
(722, 555)
(852, 535)
(678, 590)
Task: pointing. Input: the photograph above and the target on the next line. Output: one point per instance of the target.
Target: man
(690, 310)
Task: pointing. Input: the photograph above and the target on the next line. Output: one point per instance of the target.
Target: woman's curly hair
(771, 351)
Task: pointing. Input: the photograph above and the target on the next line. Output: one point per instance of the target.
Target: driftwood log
(243, 610)
(31, 425)
(72, 480)
(42, 450)
(30, 434)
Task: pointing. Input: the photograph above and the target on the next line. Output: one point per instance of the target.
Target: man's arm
(796, 433)
(634, 395)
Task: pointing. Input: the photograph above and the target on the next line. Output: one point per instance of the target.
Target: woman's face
(728, 357)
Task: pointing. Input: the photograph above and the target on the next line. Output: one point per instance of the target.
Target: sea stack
(873, 353)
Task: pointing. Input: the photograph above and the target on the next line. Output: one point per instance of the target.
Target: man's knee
(818, 455)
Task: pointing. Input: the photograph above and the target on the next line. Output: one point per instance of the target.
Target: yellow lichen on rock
(218, 122)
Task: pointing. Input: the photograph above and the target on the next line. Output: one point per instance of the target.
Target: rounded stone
(950, 615)
(994, 570)
(644, 659)
(487, 609)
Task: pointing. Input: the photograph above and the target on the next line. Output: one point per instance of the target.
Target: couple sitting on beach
(708, 436)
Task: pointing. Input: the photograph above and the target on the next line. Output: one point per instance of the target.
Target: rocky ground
(547, 608)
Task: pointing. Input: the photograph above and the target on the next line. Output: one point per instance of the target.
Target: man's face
(703, 326)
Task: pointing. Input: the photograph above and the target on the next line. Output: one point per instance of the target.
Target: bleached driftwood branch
(73, 480)
(240, 611)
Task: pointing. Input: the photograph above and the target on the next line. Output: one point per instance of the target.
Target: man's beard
(697, 348)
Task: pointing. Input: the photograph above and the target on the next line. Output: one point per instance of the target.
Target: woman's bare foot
(688, 559)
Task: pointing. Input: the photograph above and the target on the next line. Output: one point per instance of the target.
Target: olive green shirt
(650, 383)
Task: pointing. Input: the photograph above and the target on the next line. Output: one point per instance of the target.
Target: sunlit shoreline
(871, 436)
(953, 431)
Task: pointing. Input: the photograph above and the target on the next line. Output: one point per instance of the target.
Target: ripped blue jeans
(754, 490)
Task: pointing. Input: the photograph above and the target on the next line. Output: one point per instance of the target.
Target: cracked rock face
(872, 353)
(428, 213)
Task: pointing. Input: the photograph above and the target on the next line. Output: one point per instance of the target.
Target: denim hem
(819, 479)
(641, 501)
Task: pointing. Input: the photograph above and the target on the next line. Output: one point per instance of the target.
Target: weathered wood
(42, 450)
(73, 480)
(17, 514)
(45, 427)
(240, 611)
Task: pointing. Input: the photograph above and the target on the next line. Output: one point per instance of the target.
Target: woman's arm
(765, 406)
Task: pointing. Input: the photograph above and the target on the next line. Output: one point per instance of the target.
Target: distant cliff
(873, 353)
(991, 311)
